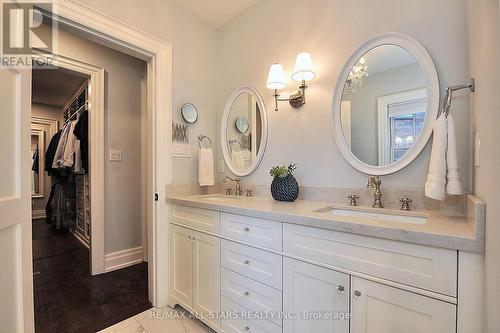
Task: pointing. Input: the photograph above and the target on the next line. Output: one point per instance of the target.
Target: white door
(206, 293)
(318, 297)
(16, 278)
(377, 308)
(182, 263)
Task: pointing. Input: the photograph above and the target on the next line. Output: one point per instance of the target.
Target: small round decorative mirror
(241, 124)
(385, 104)
(244, 131)
(189, 113)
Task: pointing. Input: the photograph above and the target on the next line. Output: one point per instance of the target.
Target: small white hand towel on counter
(436, 178)
(443, 166)
(237, 158)
(206, 176)
(453, 185)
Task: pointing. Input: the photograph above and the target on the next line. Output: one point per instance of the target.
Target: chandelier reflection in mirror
(355, 78)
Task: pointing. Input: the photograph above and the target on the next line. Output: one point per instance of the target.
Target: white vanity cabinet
(322, 294)
(230, 262)
(377, 308)
(196, 271)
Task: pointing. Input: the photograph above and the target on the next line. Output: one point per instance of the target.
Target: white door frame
(97, 152)
(158, 54)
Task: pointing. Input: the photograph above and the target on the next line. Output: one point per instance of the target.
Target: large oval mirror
(386, 101)
(243, 146)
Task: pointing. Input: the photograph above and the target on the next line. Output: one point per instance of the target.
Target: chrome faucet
(375, 182)
(237, 187)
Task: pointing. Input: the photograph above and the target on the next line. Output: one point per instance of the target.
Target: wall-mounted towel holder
(449, 94)
(204, 138)
(234, 141)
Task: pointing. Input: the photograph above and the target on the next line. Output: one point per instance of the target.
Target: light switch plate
(181, 150)
(115, 155)
(477, 148)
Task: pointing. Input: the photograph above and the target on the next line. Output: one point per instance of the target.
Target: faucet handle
(353, 198)
(405, 203)
(249, 192)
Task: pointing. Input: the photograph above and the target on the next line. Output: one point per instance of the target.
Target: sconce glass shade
(303, 69)
(276, 77)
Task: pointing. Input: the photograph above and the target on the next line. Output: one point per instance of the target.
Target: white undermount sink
(218, 197)
(378, 214)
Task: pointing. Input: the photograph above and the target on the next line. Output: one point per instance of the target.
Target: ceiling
(54, 86)
(216, 12)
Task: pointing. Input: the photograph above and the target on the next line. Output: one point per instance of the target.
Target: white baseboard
(38, 214)
(122, 259)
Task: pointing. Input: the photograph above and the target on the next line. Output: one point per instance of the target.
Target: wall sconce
(302, 71)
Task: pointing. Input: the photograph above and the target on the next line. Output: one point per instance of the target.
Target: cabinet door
(377, 308)
(182, 265)
(206, 288)
(316, 296)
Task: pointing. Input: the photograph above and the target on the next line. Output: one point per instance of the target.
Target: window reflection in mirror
(244, 130)
(384, 104)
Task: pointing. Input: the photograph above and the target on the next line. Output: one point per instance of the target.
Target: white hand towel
(237, 158)
(453, 186)
(206, 176)
(436, 178)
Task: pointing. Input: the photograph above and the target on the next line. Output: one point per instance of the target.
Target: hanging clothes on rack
(36, 161)
(51, 152)
(81, 132)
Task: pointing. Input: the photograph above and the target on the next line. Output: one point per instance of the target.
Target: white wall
(484, 37)
(195, 74)
(276, 30)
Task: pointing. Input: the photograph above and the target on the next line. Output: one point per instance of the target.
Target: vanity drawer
(257, 264)
(421, 266)
(251, 294)
(202, 219)
(259, 232)
(240, 324)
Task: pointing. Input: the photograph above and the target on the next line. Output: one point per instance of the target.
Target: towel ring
(234, 141)
(203, 137)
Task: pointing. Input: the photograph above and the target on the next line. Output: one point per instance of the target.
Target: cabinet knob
(357, 294)
(246, 328)
(340, 289)
(246, 293)
(247, 229)
(188, 237)
(246, 262)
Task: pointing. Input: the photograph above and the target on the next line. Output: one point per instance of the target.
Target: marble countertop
(458, 231)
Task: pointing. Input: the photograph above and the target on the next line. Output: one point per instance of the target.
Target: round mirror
(244, 131)
(386, 101)
(189, 113)
(241, 124)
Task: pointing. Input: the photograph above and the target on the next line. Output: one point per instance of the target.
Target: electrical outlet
(220, 166)
(115, 155)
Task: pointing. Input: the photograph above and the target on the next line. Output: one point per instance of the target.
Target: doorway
(75, 272)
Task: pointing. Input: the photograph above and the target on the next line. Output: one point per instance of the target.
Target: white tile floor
(146, 323)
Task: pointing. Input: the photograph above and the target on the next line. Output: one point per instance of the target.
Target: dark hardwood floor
(68, 299)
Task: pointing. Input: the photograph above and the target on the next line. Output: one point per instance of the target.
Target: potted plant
(284, 186)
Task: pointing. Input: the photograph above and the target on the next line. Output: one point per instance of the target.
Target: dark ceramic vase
(285, 189)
